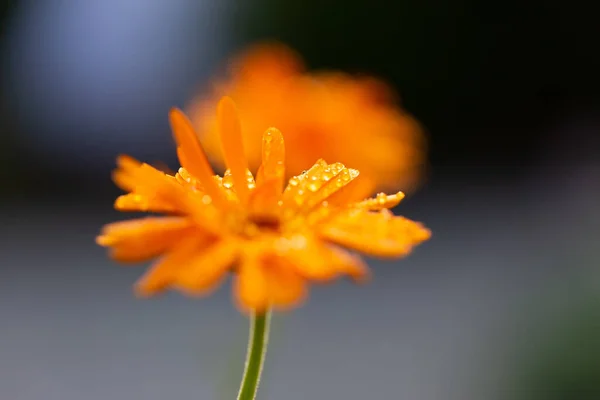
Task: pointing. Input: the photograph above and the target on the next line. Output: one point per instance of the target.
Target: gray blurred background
(502, 303)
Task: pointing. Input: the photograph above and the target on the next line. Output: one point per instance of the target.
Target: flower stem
(255, 356)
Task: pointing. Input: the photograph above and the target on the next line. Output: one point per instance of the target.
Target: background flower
(330, 115)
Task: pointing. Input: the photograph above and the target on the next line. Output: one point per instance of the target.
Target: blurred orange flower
(274, 239)
(330, 115)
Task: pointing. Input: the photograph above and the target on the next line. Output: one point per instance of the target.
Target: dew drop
(206, 200)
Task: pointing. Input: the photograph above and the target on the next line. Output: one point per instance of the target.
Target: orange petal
(204, 271)
(273, 158)
(163, 273)
(359, 189)
(124, 175)
(150, 184)
(314, 260)
(251, 285)
(285, 287)
(375, 233)
(380, 202)
(143, 239)
(263, 200)
(316, 185)
(230, 131)
(192, 156)
(138, 202)
(267, 281)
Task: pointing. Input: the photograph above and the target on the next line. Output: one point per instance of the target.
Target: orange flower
(330, 115)
(274, 239)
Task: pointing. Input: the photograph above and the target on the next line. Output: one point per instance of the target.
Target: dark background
(501, 303)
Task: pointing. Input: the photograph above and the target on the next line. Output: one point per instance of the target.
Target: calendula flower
(330, 115)
(273, 237)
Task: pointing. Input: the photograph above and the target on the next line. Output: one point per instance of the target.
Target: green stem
(255, 356)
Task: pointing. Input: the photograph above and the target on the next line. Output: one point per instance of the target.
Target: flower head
(274, 238)
(329, 114)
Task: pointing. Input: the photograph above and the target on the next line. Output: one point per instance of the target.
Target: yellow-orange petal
(273, 158)
(263, 200)
(250, 285)
(230, 131)
(376, 233)
(138, 202)
(163, 273)
(142, 239)
(192, 156)
(359, 189)
(116, 232)
(285, 287)
(380, 202)
(208, 268)
(124, 175)
(267, 281)
(316, 185)
(315, 260)
(150, 183)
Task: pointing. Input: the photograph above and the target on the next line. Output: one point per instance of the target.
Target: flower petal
(163, 273)
(142, 239)
(267, 281)
(273, 159)
(192, 157)
(380, 202)
(153, 186)
(251, 285)
(207, 269)
(285, 287)
(359, 189)
(137, 202)
(375, 233)
(230, 131)
(316, 185)
(315, 260)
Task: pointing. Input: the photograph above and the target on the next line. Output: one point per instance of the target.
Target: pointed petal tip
(175, 111)
(272, 131)
(103, 240)
(226, 101)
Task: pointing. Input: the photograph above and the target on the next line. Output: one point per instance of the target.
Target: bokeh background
(502, 303)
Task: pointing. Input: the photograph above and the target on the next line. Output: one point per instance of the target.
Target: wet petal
(267, 281)
(138, 202)
(207, 269)
(315, 260)
(230, 131)
(316, 185)
(192, 156)
(285, 287)
(163, 273)
(142, 239)
(251, 285)
(272, 168)
(375, 233)
(380, 202)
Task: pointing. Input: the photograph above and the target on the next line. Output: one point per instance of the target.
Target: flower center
(254, 225)
(265, 222)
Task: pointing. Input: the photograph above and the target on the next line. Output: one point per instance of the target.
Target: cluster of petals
(274, 235)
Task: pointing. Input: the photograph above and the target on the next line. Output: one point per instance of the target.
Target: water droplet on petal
(206, 199)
